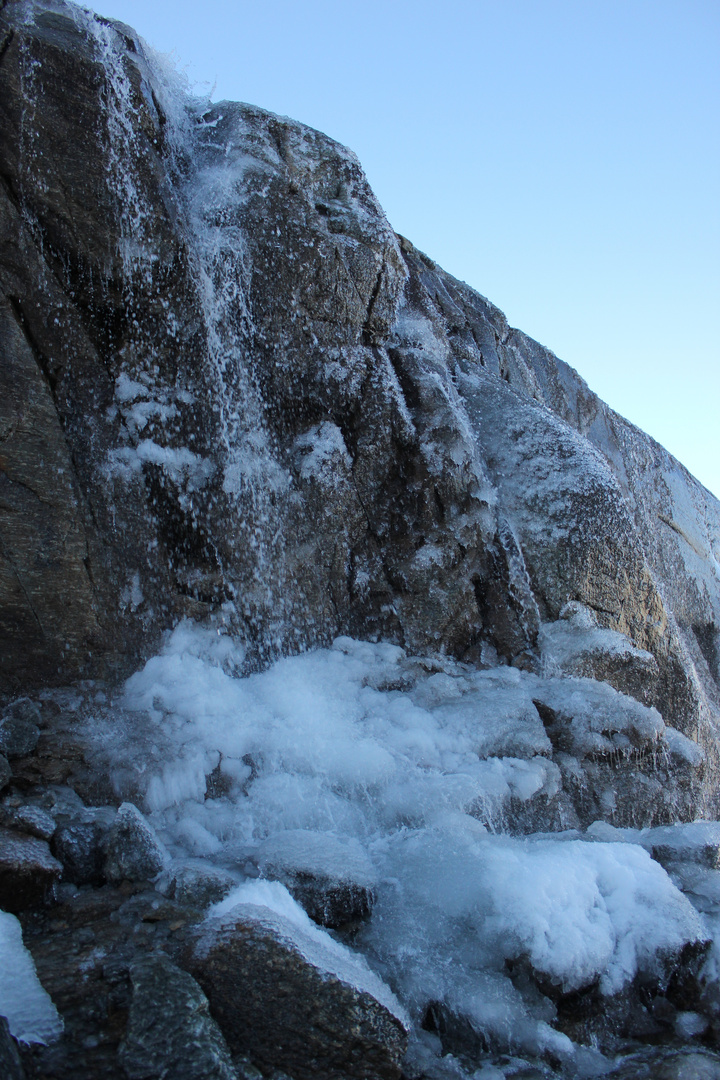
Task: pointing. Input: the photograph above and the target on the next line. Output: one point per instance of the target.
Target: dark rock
(696, 842)
(5, 772)
(661, 1063)
(170, 1032)
(10, 1064)
(331, 903)
(19, 730)
(28, 819)
(333, 880)
(196, 885)
(133, 852)
(27, 871)
(456, 1033)
(282, 998)
(81, 848)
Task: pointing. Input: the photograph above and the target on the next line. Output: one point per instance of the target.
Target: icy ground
(406, 778)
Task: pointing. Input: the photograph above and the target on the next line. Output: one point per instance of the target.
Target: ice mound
(358, 761)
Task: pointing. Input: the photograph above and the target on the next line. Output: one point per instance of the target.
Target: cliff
(231, 394)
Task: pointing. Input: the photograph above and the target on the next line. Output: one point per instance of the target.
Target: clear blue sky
(561, 156)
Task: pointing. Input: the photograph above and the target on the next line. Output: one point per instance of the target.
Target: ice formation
(358, 762)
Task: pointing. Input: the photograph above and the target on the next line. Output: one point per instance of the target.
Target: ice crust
(360, 759)
(30, 1013)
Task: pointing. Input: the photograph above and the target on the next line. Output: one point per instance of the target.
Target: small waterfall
(244, 503)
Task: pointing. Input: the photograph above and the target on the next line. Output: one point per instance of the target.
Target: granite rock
(27, 870)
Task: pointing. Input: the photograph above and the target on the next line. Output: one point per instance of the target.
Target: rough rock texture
(133, 851)
(263, 405)
(84, 949)
(27, 870)
(170, 1032)
(276, 1000)
(19, 731)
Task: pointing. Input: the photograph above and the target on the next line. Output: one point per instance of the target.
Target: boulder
(196, 884)
(294, 999)
(5, 772)
(80, 846)
(170, 1032)
(19, 730)
(133, 851)
(27, 870)
(696, 842)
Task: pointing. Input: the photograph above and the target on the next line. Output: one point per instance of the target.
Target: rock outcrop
(231, 391)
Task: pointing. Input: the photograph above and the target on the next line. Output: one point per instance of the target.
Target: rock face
(231, 391)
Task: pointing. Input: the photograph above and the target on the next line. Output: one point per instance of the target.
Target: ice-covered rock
(196, 884)
(694, 842)
(133, 851)
(266, 968)
(576, 645)
(324, 432)
(27, 818)
(248, 420)
(331, 878)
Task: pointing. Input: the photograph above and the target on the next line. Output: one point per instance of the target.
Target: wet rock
(28, 819)
(134, 852)
(170, 1032)
(27, 871)
(456, 1032)
(661, 1063)
(695, 842)
(296, 1002)
(19, 728)
(332, 879)
(10, 1064)
(5, 772)
(196, 884)
(328, 902)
